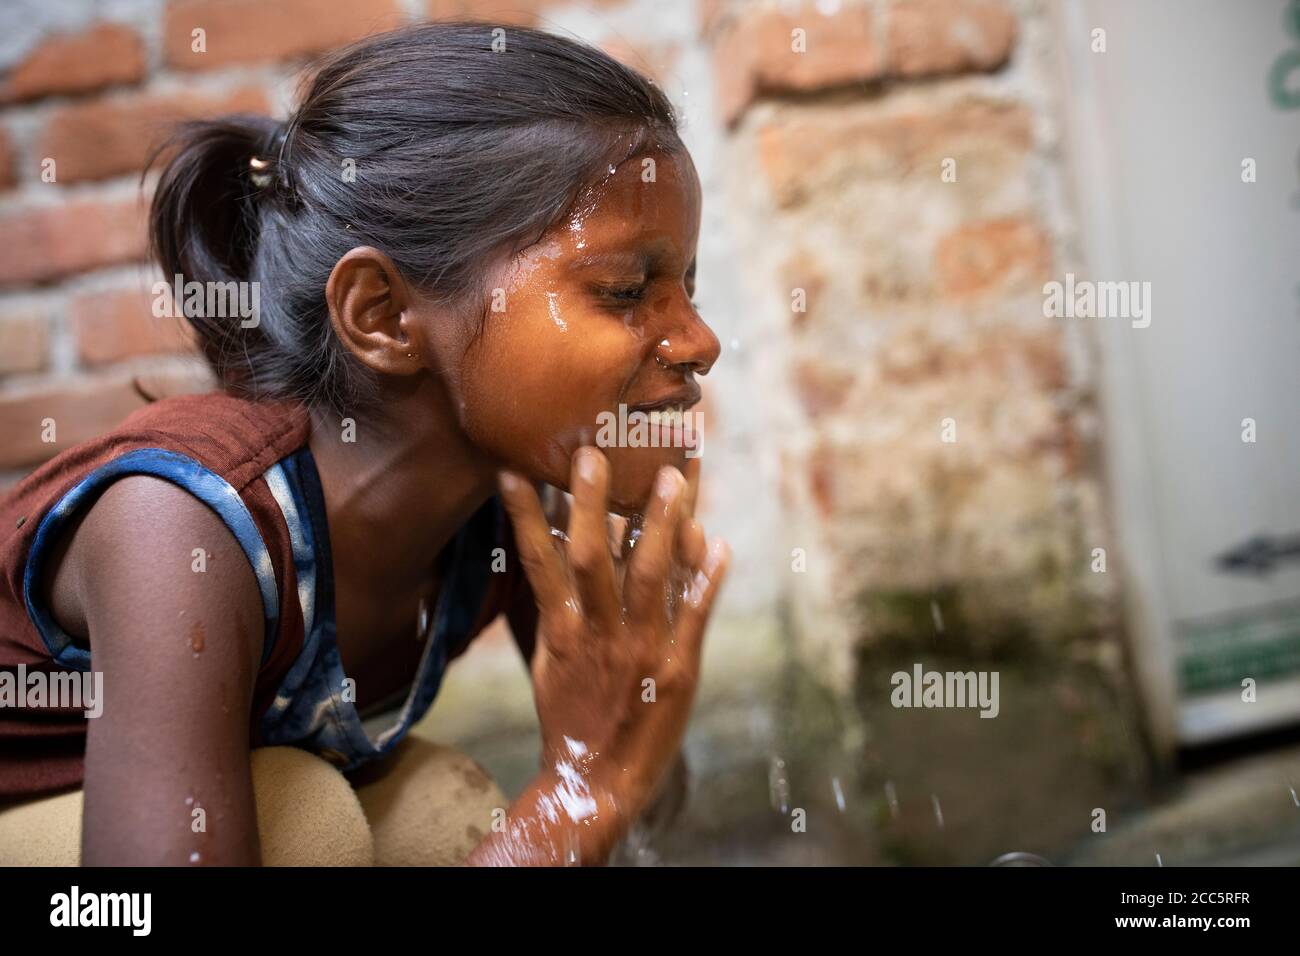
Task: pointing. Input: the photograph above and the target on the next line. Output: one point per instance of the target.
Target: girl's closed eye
(623, 293)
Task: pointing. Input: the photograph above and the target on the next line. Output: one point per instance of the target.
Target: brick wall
(897, 300)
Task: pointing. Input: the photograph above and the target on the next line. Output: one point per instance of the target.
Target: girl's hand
(619, 641)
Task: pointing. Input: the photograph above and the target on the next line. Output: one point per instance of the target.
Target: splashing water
(778, 786)
(1016, 858)
(760, 724)
(839, 793)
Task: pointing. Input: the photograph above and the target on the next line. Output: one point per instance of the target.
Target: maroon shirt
(237, 440)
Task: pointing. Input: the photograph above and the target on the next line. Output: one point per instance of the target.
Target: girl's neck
(397, 488)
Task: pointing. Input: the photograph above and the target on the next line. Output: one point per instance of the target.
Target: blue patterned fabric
(310, 709)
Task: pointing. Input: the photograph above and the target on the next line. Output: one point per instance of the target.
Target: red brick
(709, 16)
(81, 410)
(754, 56)
(8, 168)
(193, 377)
(821, 388)
(109, 137)
(524, 13)
(658, 61)
(105, 55)
(821, 479)
(992, 256)
(254, 31)
(802, 271)
(54, 241)
(802, 154)
(1017, 360)
(118, 324)
(24, 343)
(936, 37)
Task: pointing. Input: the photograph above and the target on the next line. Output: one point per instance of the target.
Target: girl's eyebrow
(632, 260)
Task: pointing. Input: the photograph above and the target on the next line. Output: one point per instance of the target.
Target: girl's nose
(689, 344)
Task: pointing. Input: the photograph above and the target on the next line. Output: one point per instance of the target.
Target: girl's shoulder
(218, 447)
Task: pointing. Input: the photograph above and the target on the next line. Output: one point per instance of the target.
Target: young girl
(464, 261)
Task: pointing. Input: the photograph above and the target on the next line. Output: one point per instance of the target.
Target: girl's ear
(370, 308)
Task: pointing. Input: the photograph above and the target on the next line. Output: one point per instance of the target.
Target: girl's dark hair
(459, 154)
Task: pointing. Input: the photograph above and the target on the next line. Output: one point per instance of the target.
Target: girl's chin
(632, 474)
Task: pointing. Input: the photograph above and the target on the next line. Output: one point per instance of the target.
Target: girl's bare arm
(167, 776)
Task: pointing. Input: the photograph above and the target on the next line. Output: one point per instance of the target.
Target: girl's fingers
(694, 614)
(647, 572)
(589, 557)
(618, 529)
(691, 472)
(691, 544)
(542, 564)
(690, 533)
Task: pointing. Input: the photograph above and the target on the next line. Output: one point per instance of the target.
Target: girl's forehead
(655, 195)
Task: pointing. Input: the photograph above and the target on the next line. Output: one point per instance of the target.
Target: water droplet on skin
(197, 638)
(611, 169)
(554, 307)
(189, 801)
(557, 533)
(778, 785)
(194, 857)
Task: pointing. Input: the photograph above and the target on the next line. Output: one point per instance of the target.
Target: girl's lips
(685, 398)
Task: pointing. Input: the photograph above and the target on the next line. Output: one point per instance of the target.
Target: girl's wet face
(592, 338)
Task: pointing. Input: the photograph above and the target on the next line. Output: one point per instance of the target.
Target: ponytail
(205, 221)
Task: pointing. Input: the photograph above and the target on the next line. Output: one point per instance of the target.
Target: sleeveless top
(250, 462)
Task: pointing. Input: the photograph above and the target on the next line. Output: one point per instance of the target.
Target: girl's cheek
(523, 394)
